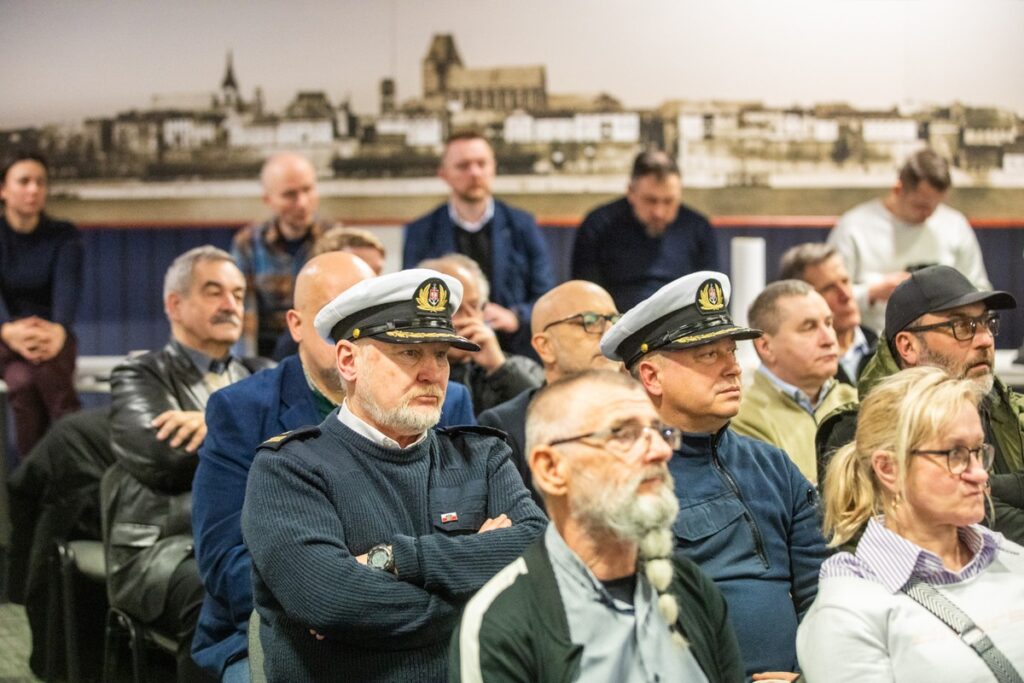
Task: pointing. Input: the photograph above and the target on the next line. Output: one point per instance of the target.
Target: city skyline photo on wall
(758, 101)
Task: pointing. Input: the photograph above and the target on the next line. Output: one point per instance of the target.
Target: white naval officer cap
(412, 306)
(690, 311)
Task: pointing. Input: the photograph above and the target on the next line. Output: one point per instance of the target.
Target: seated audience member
(928, 594)
(821, 266)
(491, 375)
(600, 596)
(362, 243)
(644, 240)
(40, 283)
(271, 253)
(794, 388)
(364, 529)
(504, 241)
(157, 425)
(567, 325)
(54, 496)
(938, 318)
(747, 515)
(303, 390)
(882, 240)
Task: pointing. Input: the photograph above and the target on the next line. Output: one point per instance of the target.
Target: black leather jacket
(146, 496)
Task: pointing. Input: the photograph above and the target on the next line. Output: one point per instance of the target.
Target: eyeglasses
(622, 441)
(592, 323)
(963, 329)
(958, 459)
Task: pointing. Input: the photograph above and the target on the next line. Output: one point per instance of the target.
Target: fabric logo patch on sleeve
(449, 517)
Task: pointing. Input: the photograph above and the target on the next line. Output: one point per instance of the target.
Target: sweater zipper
(758, 540)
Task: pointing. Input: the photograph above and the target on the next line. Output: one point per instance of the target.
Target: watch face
(378, 557)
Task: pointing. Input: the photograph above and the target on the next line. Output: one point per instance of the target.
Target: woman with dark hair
(928, 594)
(40, 281)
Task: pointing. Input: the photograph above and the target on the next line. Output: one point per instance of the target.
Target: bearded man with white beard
(600, 597)
(370, 532)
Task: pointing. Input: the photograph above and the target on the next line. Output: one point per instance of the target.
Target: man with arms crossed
(373, 530)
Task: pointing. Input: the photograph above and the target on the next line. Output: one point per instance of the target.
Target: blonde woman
(924, 571)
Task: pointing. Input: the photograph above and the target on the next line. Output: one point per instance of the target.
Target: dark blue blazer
(238, 419)
(520, 268)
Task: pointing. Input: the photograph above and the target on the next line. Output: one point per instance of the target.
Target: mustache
(433, 391)
(225, 317)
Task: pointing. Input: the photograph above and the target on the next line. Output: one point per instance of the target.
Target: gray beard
(620, 513)
(401, 419)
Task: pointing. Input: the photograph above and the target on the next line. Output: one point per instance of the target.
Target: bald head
(567, 346)
(320, 280)
(289, 189)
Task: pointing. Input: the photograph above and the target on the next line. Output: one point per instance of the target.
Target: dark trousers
(38, 393)
(181, 613)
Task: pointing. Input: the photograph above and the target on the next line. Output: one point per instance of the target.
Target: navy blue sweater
(749, 519)
(40, 272)
(316, 501)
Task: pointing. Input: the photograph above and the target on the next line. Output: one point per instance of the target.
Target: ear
(172, 302)
(266, 198)
(544, 348)
(548, 469)
(908, 348)
(649, 374)
(886, 470)
(294, 320)
(345, 356)
(765, 350)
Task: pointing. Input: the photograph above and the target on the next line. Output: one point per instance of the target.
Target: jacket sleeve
(457, 566)
(518, 374)
(218, 491)
(807, 548)
(500, 655)
(710, 259)
(138, 393)
(540, 278)
(413, 245)
(299, 552)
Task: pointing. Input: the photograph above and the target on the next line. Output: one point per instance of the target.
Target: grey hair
(798, 259)
(178, 278)
(449, 262)
(764, 312)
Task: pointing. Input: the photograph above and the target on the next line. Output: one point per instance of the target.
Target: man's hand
(882, 290)
(316, 635)
(776, 676)
(500, 522)
(490, 356)
(501, 318)
(182, 427)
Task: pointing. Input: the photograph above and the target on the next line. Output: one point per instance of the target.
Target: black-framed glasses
(592, 323)
(958, 459)
(622, 440)
(963, 329)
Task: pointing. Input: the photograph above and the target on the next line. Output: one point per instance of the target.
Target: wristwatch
(381, 557)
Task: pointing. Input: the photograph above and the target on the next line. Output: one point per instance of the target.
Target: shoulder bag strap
(969, 632)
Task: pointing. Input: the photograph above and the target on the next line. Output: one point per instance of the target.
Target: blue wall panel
(122, 309)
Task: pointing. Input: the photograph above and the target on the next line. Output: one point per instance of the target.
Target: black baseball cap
(934, 289)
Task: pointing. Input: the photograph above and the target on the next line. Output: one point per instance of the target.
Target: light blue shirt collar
(798, 395)
(468, 226)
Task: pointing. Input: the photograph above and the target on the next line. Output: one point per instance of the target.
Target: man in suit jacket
(301, 391)
(505, 241)
(821, 266)
(157, 425)
(567, 325)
